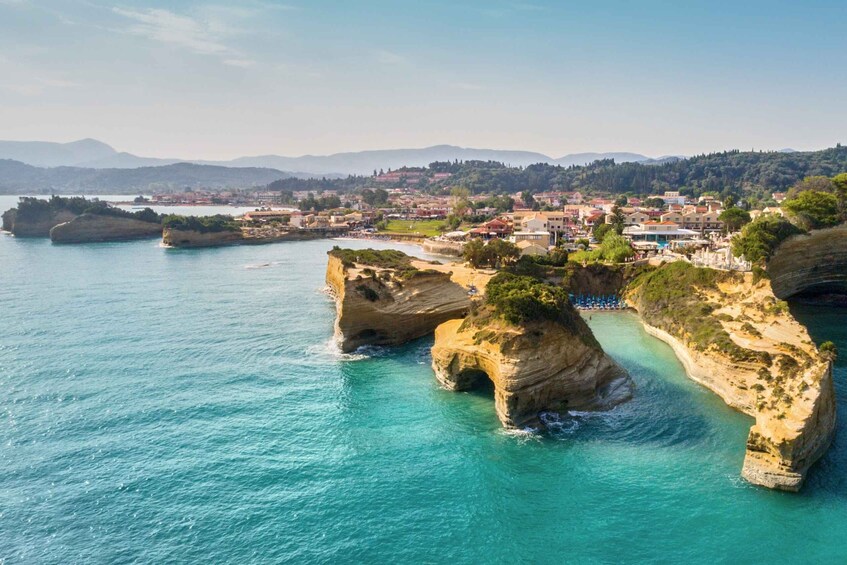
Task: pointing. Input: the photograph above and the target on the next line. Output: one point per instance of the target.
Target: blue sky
(218, 80)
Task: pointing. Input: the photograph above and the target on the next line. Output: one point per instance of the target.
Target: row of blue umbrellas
(597, 302)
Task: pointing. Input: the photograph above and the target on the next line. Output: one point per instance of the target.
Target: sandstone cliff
(8, 219)
(98, 227)
(385, 306)
(538, 367)
(191, 238)
(737, 339)
(38, 228)
(816, 262)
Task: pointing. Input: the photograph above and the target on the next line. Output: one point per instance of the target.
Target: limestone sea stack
(736, 338)
(536, 350)
(386, 297)
(88, 228)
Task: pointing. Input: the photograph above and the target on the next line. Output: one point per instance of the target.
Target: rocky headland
(546, 359)
(90, 228)
(175, 237)
(734, 336)
(388, 298)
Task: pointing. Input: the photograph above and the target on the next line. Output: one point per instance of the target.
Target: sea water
(164, 405)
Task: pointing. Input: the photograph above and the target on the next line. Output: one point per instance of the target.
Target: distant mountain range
(21, 178)
(93, 154)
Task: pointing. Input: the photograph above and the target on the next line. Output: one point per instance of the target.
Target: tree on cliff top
(814, 210)
(759, 239)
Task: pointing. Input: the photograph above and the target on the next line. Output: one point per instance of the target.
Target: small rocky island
(534, 346)
(79, 220)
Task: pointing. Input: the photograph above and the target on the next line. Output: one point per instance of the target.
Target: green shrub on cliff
(670, 298)
(829, 350)
(202, 224)
(760, 238)
(381, 258)
(520, 300)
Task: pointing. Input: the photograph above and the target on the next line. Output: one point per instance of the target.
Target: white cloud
(167, 27)
(389, 58)
(243, 63)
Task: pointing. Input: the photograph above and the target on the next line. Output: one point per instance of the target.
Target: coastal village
(668, 224)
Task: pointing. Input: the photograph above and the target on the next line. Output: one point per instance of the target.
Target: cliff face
(96, 228)
(745, 346)
(385, 309)
(816, 262)
(8, 219)
(539, 367)
(40, 228)
(190, 238)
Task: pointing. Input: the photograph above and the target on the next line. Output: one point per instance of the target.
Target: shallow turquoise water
(186, 405)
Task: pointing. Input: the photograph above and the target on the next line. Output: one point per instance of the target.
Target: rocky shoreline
(769, 369)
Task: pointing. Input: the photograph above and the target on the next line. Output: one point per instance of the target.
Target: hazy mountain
(364, 162)
(586, 158)
(125, 160)
(17, 178)
(90, 153)
(50, 154)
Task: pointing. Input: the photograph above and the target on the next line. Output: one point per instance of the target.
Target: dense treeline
(202, 224)
(742, 174)
(728, 173)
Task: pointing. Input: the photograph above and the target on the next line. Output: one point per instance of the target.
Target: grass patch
(428, 228)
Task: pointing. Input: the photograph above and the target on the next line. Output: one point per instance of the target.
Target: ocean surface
(166, 405)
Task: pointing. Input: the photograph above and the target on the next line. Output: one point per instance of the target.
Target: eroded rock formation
(813, 263)
(542, 366)
(737, 339)
(383, 306)
(35, 228)
(191, 238)
(87, 228)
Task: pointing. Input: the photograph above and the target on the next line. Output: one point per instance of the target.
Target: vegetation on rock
(201, 224)
(671, 298)
(760, 238)
(31, 209)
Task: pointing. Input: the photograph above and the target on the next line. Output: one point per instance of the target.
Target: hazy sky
(218, 80)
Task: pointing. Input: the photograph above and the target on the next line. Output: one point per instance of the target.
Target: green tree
(759, 239)
(813, 210)
(617, 219)
(474, 253)
(502, 252)
(615, 248)
(600, 230)
(734, 218)
(839, 182)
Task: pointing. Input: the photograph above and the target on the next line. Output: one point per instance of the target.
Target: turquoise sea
(188, 406)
